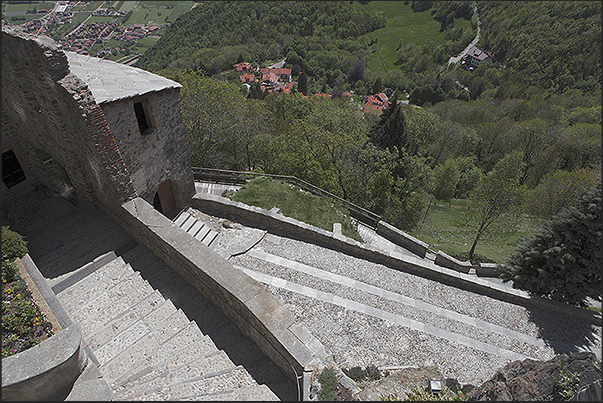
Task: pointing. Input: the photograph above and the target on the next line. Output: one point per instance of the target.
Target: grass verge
(296, 203)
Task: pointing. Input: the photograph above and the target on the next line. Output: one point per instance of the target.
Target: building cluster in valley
(88, 34)
(279, 79)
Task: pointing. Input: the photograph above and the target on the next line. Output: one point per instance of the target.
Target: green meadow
(403, 26)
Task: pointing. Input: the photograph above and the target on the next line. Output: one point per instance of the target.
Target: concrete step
(219, 382)
(125, 320)
(144, 347)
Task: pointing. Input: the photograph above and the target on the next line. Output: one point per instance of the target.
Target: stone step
(202, 233)
(188, 223)
(257, 393)
(181, 218)
(120, 304)
(219, 382)
(181, 349)
(101, 279)
(195, 228)
(138, 255)
(97, 313)
(85, 248)
(210, 237)
(160, 312)
(145, 346)
(124, 320)
(215, 362)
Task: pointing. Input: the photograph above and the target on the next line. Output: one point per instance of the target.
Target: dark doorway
(164, 198)
(12, 173)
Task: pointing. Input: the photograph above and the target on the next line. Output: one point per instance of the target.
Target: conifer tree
(389, 130)
(562, 261)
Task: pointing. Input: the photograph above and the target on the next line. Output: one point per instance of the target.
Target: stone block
(487, 270)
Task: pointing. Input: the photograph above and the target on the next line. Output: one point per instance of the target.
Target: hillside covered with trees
(523, 133)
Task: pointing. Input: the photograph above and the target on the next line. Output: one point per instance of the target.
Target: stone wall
(158, 156)
(53, 125)
(245, 301)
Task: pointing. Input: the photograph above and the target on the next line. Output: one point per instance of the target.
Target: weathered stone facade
(68, 141)
(158, 156)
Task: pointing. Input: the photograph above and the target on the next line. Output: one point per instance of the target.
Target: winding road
(455, 59)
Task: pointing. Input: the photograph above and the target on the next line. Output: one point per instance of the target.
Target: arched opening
(164, 198)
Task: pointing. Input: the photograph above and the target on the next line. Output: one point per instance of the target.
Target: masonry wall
(57, 131)
(159, 156)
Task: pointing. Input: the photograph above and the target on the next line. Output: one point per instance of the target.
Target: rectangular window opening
(144, 123)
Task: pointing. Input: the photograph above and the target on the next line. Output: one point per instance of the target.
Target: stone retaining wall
(258, 314)
(445, 260)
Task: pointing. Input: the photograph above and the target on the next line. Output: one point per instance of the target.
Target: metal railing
(241, 177)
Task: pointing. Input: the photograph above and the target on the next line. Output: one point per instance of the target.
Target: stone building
(91, 130)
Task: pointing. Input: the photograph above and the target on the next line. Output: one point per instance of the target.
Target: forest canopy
(217, 34)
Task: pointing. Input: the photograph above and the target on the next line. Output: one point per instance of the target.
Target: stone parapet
(487, 270)
(445, 260)
(401, 238)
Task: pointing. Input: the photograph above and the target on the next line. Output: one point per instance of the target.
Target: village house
(377, 102)
(243, 67)
(474, 58)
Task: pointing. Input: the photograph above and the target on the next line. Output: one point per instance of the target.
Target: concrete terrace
(362, 312)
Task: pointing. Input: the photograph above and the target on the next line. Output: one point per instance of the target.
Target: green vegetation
(296, 203)
(567, 383)
(23, 325)
(562, 261)
(445, 228)
(403, 27)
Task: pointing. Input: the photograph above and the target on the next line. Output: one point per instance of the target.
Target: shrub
(13, 244)
(328, 381)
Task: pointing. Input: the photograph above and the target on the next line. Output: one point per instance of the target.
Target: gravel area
(359, 339)
(394, 307)
(550, 325)
(356, 338)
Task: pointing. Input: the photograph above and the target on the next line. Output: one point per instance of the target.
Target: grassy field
(158, 11)
(445, 228)
(403, 26)
(22, 7)
(295, 203)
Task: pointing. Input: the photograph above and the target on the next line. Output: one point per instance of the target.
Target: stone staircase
(146, 346)
(199, 229)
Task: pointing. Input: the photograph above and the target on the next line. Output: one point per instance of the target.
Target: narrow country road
(455, 59)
